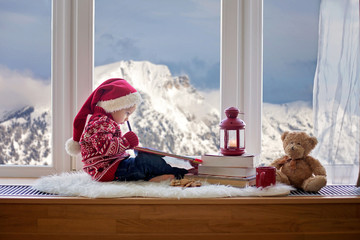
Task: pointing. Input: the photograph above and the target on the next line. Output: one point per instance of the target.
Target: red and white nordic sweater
(102, 146)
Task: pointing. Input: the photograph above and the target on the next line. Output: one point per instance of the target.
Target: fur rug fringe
(80, 184)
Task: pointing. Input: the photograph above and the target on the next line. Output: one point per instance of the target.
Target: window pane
(290, 56)
(25, 80)
(291, 38)
(170, 52)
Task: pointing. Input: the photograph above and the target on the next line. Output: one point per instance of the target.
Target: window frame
(73, 62)
(242, 30)
(71, 72)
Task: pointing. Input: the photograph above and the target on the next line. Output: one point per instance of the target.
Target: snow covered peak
(157, 85)
(173, 108)
(22, 112)
(143, 75)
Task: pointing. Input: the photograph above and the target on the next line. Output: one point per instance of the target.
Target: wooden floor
(172, 219)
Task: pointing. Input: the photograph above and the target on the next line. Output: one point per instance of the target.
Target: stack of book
(237, 171)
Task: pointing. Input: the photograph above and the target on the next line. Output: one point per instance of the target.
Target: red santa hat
(112, 95)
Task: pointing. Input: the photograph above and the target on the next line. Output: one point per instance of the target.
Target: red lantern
(232, 133)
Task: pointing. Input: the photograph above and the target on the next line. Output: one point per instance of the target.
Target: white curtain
(336, 99)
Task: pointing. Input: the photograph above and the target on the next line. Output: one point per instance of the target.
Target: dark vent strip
(21, 190)
(330, 190)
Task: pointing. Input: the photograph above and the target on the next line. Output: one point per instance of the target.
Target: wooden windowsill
(289, 217)
(159, 218)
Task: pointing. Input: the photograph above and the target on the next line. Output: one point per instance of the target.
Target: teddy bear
(297, 168)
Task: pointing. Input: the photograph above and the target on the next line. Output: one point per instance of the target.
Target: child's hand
(132, 139)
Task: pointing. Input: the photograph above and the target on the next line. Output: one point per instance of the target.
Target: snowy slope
(278, 118)
(174, 116)
(25, 136)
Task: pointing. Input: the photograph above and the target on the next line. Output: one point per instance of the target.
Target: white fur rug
(80, 184)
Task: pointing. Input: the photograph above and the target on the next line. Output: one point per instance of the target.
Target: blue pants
(144, 167)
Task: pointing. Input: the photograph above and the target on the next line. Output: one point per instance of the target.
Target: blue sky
(25, 43)
(184, 35)
(290, 49)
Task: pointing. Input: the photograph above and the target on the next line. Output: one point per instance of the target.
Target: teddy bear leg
(314, 184)
(281, 177)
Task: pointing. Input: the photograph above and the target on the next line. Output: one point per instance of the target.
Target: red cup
(265, 176)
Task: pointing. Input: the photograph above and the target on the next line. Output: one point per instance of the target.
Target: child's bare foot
(193, 171)
(162, 178)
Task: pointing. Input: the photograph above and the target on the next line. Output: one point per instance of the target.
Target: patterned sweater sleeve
(106, 138)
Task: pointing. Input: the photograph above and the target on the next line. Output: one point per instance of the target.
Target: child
(103, 146)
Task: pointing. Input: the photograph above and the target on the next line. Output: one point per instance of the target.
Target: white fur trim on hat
(72, 148)
(120, 103)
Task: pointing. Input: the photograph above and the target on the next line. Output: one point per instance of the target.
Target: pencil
(129, 125)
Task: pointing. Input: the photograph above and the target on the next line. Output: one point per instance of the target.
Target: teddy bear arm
(278, 163)
(281, 177)
(316, 166)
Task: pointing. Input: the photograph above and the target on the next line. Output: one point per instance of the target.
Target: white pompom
(72, 148)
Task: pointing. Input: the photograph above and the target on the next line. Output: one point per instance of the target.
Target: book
(218, 160)
(162, 153)
(231, 181)
(227, 171)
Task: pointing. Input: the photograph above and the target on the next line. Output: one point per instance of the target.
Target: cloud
(212, 97)
(203, 74)
(25, 39)
(21, 89)
(127, 48)
(110, 48)
(160, 30)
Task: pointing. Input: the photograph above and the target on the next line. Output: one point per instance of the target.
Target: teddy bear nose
(292, 148)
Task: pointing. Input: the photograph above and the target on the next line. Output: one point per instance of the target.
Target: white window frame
(241, 61)
(73, 62)
(72, 72)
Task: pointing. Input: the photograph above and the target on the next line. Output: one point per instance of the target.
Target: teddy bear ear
(313, 141)
(283, 136)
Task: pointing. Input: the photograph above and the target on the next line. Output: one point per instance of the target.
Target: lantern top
(231, 112)
(232, 122)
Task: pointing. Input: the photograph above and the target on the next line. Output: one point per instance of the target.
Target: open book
(161, 153)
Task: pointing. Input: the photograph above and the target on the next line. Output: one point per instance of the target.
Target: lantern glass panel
(242, 138)
(222, 138)
(232, 140)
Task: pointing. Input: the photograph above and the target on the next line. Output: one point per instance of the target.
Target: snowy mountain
(25, 136)
(278, 118)
(173, 117)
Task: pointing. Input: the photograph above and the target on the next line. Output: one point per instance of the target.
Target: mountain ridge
(173, 106)
(169, 118)
(174, 117)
